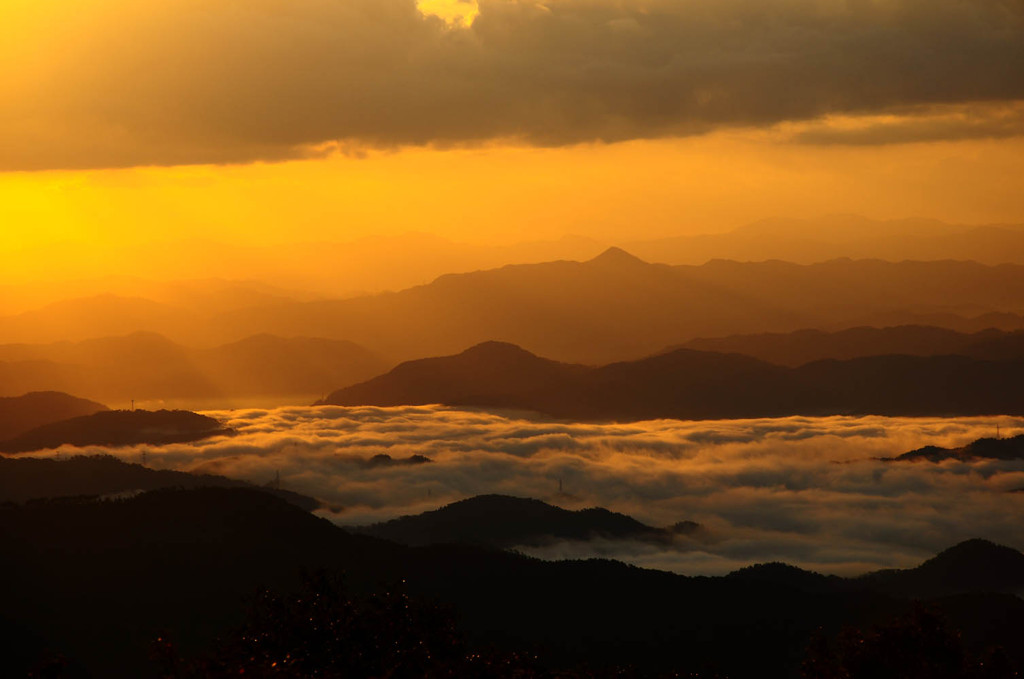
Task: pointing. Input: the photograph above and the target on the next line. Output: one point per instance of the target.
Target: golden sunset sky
(269, 121)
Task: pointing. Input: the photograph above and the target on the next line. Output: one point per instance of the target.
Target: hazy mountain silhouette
(181, 564)
(149, 366)
(986, 448)
(19, 414)
(616, 306)
(114, 369)
(202, 295)
(504, 521)
(612, 307)
(334, 269)
(805, 346)
(99, 316)
(271, 365)
(118, 428)
(807, 241)
(27, 478)
(692, 384)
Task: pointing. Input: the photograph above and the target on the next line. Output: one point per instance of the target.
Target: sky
(268, 121)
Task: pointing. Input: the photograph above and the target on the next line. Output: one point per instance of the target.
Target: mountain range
(617, 306)
(612, 307)
(394, 262)
(689, 384)
(807, 241)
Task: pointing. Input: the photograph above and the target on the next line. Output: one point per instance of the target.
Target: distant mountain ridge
(690, 384)
(612, 307)
(806, 241)
(505, 521)
(616, 306)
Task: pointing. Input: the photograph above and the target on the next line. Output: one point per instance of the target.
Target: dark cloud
(992, 121)
(804, 490)
(114, 82)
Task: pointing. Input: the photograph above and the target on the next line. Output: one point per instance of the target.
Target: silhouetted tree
(323, 631)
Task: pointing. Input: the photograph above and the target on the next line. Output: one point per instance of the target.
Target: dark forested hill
(504, 521)
(986, 448)
(99, 581)
(28, 478)
(117, 428)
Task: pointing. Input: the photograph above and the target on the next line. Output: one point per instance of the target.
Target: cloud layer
(803, 490)
(115, 82)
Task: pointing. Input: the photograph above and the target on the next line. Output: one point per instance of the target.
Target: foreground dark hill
(987, 448)
(147, 366)
(28, 478)
(504, 521)
(963, 567)
(692, 384)
(804, 346)
(118, 428)
(617, 306)
(99, 581)
(19, 414)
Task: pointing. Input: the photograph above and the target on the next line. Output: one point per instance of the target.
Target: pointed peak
(616, 256)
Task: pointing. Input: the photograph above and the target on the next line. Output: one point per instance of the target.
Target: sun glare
(455, 12)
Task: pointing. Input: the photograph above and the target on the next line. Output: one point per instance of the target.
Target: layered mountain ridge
(689, 384)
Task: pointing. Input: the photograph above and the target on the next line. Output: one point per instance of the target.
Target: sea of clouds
(810, 491)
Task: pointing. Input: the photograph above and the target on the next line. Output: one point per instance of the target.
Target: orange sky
(613, 156)
(641, 189)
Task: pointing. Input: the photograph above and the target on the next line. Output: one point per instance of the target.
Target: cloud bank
(804, 490)
(108, 83)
